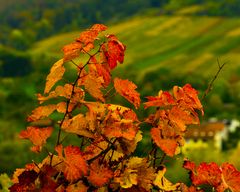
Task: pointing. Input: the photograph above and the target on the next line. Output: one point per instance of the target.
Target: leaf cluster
(108, 133)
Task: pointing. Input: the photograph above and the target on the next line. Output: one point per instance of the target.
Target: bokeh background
(169, 42)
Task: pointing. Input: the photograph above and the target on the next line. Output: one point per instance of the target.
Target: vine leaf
(168, 145)
(78, 125)
(99, 175)
(187, 97)
(41, 112)
(55, 75)
(114, 51)
(84, 43)
(230, 177)
(173, 114)
(221, 177)
(136, 172)
(46, 178)
(163, 183)
(93, 86)
(163, 99)
(127, 88)
(204, 173)
(26, 182)
(71, 51)
(62, 91)
(87, 37)
(100, 69)
(37, 136)
(75, 164)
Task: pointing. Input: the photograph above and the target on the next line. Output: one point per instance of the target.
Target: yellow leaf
(93, 85)
(42, 111)
(55, 75)
(163, 183)
(78, 125)
(128, 178)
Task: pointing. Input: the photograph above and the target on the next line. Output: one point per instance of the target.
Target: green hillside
(181, 43)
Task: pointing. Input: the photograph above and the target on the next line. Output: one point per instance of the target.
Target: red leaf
(230, 177)
(26, 182)
(115, 51)
(127, 88)
(204, 173)
(163, 99)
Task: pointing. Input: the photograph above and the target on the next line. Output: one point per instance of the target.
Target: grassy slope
(184, 44)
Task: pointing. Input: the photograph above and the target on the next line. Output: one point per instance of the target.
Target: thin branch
(210, 85)
(103, 152)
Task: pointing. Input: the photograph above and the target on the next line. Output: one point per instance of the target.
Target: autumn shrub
(104, 158)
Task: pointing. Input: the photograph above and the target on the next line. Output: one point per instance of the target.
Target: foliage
(104, 159)
(5, 182)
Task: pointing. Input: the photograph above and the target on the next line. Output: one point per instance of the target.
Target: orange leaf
(181, 118)
(62, 91)
(187, 96)
(124, 128)
(99, 27)
(163, 99)
(230, 177)
(71, 51)
(42, 111)
(93, 86)
(204, 173)
(37, 136)
(99, 174)
(127, 89)
(55, 75)
(76, 165)
(169, 146)
(87, 37)
(115, 51)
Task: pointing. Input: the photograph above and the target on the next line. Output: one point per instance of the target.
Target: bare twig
(210, 85)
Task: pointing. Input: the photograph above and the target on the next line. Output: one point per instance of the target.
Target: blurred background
(169, 42)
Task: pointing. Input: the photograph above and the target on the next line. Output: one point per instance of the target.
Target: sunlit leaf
(41, 112)
(163, 99)
(169, 146)
(127, 88)
(78, 125)
(114, 51)
(93, 86)
(163, 183)
(37, 136)
(76, 166)
(55, 75)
